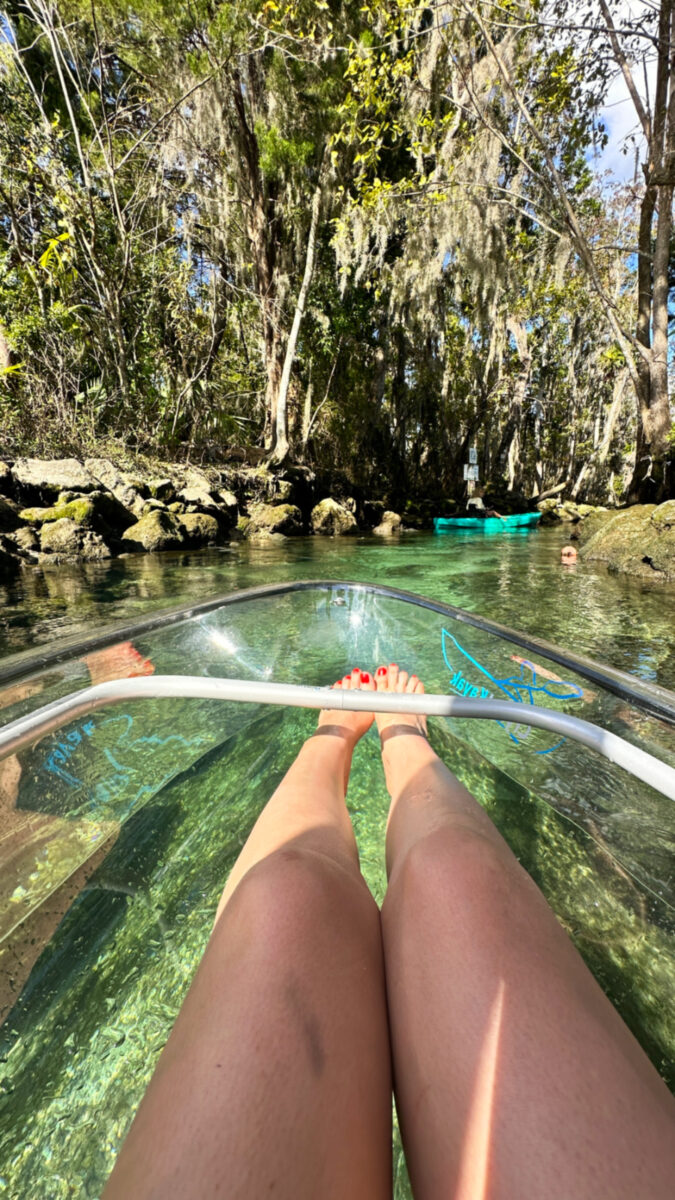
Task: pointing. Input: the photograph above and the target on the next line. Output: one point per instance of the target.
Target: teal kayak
(487, 524)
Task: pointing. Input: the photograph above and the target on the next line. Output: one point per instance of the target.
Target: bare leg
(514, 1076)
(276, 1077)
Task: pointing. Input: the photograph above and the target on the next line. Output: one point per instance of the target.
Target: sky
(619, 112)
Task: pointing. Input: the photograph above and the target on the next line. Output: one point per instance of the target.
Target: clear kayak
(128, 789)
(487, 524)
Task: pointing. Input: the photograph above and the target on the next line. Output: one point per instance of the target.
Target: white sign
(471, 472)
(473, 454)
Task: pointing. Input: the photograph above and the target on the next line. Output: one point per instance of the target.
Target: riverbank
(64, 510)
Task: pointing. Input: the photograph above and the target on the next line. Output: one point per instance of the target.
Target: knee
(295, 892)
(454, 868)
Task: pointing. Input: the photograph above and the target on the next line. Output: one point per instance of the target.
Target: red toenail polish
(382, 670)
(365, 677)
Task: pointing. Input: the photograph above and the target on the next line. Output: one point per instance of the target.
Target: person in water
(568, 555)
(514, 1076)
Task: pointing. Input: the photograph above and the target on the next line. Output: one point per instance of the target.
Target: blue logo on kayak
(469, 678)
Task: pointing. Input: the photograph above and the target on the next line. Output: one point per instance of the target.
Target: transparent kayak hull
(118, 831)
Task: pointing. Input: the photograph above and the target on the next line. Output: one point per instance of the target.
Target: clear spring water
(516, 579)
(80, 1045)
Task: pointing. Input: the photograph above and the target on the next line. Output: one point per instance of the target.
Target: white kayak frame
(24, 731)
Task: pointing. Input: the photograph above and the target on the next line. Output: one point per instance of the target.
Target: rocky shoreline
(63, 509)
(59, 510)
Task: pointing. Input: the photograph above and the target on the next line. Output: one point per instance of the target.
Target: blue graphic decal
(521, 687)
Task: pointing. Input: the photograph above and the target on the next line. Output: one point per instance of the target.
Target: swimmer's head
(568, 554)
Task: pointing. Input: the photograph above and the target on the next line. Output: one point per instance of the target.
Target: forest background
(363, 236)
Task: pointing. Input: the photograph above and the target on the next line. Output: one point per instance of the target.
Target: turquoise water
(516, 579)
(80, 1043)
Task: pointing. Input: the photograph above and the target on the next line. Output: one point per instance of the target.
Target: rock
(100, 511)
(9, 515)
(176, 507)
(158, 530)
(372, 512)
(26, 541)
(199, 529)
(663, 517)
(263, 537)
(128, 489)
(66, 539)
(227, 502)
(637, 541)
(274, 518)
(162, 489)
(332, 519)
(40, 479)
(391, 523)
(198, 496)
(154, 506)
(5, 477)
(10, 562)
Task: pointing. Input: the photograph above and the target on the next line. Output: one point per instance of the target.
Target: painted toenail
(365, 677)
(382, 670)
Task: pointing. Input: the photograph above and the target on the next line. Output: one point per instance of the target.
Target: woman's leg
(514, 1076)
(276, 1078)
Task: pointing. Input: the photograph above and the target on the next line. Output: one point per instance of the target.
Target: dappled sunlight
(474, 1169)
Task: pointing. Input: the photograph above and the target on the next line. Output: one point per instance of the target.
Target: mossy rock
(663, 517)
(631, 542)
(65, 538)
(329, 518)
(80, 511)
(199, 529)
(274, 518)
(156, 530)
(45, 478)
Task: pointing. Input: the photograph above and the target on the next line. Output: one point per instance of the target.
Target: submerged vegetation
(361, 236)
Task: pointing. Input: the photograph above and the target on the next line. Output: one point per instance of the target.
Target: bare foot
(391, 679)
(356, 723)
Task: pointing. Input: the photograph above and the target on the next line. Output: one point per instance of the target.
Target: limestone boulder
(100, 511)
(157, 530)
(332, 519)
(274, 518)
(638, 541)
(39, 480)
(25, 540)
(199, 529)
(162, 489)
(129, 490)
(68, 539)
(390, 524)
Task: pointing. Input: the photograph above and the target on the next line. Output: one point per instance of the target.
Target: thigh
(276, 1077)
(514, 1076)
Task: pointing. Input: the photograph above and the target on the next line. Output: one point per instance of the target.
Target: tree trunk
(280, 438)
(513, 464)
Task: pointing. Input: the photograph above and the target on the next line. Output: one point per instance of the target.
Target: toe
(337, 684)
(419, 686)
(347, 682)
(367, 682)
(411, 685)
(381, 679)
(401, 681)
(356, 677)
(392, 677)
